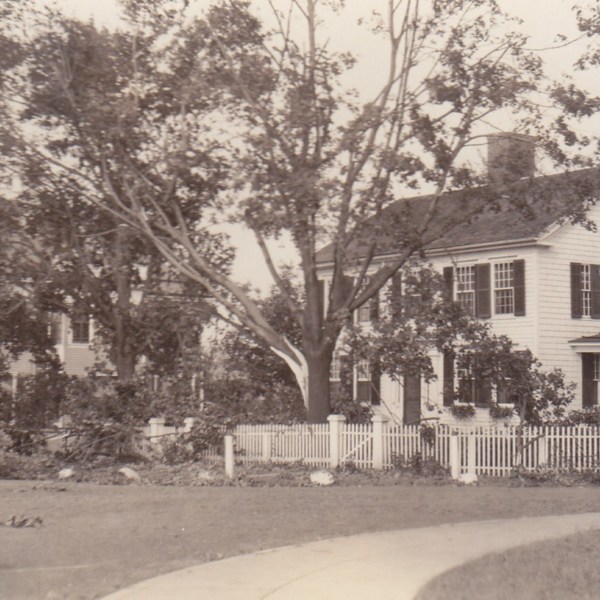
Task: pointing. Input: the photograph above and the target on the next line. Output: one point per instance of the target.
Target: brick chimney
(511, 156)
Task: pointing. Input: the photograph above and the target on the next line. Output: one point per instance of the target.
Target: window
(465, 288)
(80, 328)
(363, 314)
(363, 372)
(469, 388)
(368, 383)
(585, 291)
(335, 370)
(369, 311)
(504, 293)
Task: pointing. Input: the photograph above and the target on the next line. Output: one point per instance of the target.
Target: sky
(543, 20)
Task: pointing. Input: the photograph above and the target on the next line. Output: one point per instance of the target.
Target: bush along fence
(494, 451)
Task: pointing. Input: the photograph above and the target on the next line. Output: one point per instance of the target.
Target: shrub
(501, 412)
(462, 411)
(417, 464)
(106, 418)
(586, 416)
(355, 412)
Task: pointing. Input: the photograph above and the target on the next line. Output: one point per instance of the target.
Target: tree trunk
(125, 359)
(318, 406)
(123, 350)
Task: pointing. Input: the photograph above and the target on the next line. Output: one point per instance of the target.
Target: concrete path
(392, 564)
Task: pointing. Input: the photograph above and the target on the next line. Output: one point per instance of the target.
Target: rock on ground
(321, 478)
(66, 473)
(129, 473)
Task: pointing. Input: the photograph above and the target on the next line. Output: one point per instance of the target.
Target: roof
(524, 213)
(588, 339)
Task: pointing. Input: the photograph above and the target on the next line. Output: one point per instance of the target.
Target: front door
(412, 399)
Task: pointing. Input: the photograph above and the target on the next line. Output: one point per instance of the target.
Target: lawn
(97, 538)
(565, 569)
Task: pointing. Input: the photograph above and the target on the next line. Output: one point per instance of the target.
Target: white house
(535, 278)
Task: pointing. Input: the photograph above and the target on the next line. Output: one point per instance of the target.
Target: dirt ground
(97, 538)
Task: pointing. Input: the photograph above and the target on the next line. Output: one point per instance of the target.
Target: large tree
(75, 90)
(299, 154)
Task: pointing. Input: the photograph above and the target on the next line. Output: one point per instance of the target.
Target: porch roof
(587, 343)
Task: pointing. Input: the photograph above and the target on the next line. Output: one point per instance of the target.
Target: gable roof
(522, 214)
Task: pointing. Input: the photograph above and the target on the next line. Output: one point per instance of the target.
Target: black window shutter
(483, 391)
(588, 385)
(576, 300)
(448, 391)
(375, 385)
(519, 283)
(483, 303)
(595, 287)
(396, 295)
(362, 391)
(449, 281)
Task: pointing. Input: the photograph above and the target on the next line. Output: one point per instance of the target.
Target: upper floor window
(585, 290)
(465, 288)
(504, 293)
(369, 311)
(80, 330)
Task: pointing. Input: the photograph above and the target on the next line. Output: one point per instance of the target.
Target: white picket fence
(489, 450)
(381, 445)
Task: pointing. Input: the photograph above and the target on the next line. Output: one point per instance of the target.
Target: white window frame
(504, 283)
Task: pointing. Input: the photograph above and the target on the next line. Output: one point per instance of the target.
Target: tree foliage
(129, 123)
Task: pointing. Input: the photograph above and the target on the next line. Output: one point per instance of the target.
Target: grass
(565, 569)
(98, 538)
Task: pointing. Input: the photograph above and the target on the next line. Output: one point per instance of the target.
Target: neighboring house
(74, 345)
(534, 279)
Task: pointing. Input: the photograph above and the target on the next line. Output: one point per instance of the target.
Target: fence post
(471, 454)
(542, 452)
(229, 456)
(188, 423)
(157, 428)
(379, 422)
(336, 422)
(266, 446)
(454, 456)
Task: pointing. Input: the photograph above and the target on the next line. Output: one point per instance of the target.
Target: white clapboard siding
(569, 244)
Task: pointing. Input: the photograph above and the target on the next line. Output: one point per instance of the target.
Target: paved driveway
(387, 565)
